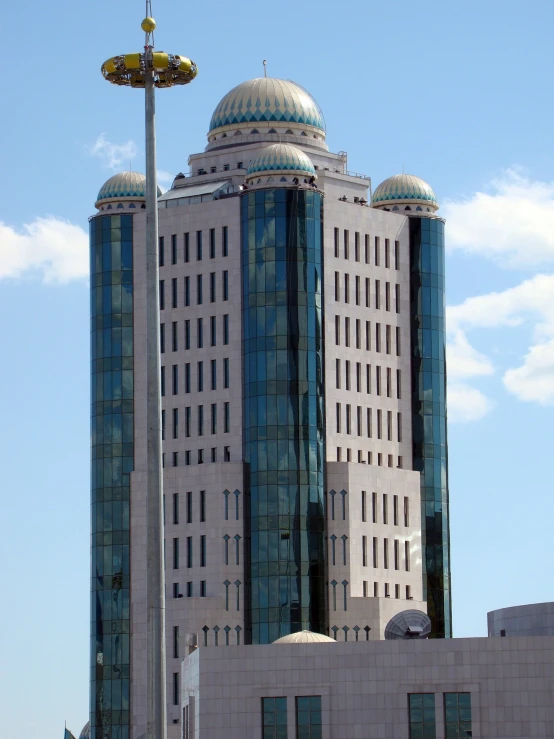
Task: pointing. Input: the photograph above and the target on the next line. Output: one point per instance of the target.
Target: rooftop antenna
(148, 70)
(265, 68)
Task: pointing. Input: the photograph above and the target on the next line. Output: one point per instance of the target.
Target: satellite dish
(410, 624)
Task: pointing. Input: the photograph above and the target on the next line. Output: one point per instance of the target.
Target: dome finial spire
(265, 68)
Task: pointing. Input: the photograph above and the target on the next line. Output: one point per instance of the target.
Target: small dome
(281, 103)
(304, 637)
(281, 159)
(404, 189)
(85, 733)
(124, 186)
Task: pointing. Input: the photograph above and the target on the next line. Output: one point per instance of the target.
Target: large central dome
(265, 100)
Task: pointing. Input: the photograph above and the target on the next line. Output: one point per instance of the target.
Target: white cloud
(113, 156)
(511, 223)
(464, 360)
(50, 248)
(534, 380)
(466, 403)
(165, 179)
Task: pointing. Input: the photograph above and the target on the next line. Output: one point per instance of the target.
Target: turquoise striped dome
(281, 103)
(281, 159)
(404, 189)
(124, 186)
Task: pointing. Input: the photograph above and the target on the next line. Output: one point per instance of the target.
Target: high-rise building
(303, 396)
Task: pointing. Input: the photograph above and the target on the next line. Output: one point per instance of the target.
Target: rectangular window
(359, 419)
(421, 711)
(226, 329)
(175, 423)
(174, 336)
(388, 339)
(397, 297)
(398, 341)
(226, 453)
(377, 337)
(377, 251)
(348, 419)
(357, 246)
(379, 423)
(395, 510)
(386, 554)
(337, 373)
(213, 329)
(358, 334)
(214, 454)
(408, 592)
(199, 246)
(189, 590)
(369, 425)
(214, 418)
(200, 376)
(226, 418)
(274, 717)
(174, 292)
(176, 553)
(226, 373)
(358, 377)
(162, 381)
(406, 511)
(397, 591)
(364, 584)
(367, 335)
(187, 453)
(336, 242)
(174, 249)
(374, 507)
(337, 330)
(187, 429)
(186, 250)
(337, 287)
(176, 689)
(346, 244)
(200, 420)
(375, 552)
(175, 589)
(364, 511)
(387, 296)
(396, 554)
(203, 550)
(212, 287)
(199, 333)
(397, 255)
(378, 379)
(200, 456)
(212, 243)
(202, 588)
(175, 379)
(187, 334)
(162, 295)
(364, 551)
(213, 374)
(407, 556)
(457, 715)
(199, 296)
(162, 338)
(367, 296)
(308, 718)
(161, 251)
(346, 288)
(187, 377)
(338, 415)
(366, 248)
(385, 508)
(389, 427)
(189, 507)
(377, 294)
(347, 374)
(189, 552)
(347, 331)
(399, 427)
(357, 290)
(387, 253)
(225, 285)
(175, 642)
(225, 242)
(187, 291)
(398, 384)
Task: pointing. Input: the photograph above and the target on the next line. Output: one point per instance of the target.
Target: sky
(459, 94)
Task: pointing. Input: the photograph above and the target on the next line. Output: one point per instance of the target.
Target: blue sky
(459, 94)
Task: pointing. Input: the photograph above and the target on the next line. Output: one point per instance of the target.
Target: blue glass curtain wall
(283, 412)
(111, 277)
(428, 339)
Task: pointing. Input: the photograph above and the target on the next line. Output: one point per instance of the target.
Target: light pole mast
(149, 70)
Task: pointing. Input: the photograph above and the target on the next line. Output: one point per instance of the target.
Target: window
(162, 338)
(377, 250)
(387, 253)
(421, 710)
(176, 593)
(388, 339)
(203, 595)
(212, 287)
(187, 429)
(378, 380)
(366, 248)
(337, 373)
(174, 379)
(358, 334)
(336, 242)
(357, 290)
(346, 288)
(175, 508)
(200, 420)
(187, 334)
(308, 717)
(398, 384)
(364, 551)
(199, 246)
(162, 381)
(389, 382)
(407, 556)
(346, 244)
(189, 552)
(214, 418)
(226, 373)
(187, 291)
(389, 430)
(162, 295)
(357, 246)
(175, 424)
(364, 585)
(225, 285)
(176, 642)
(199, 333)
(337, 287)
(214, 454)
(457, 715)
(398, 341)
(364, 511)
(347, 331)
(161, 251)
(213, 336)
(358, 377)
(174, 292)
(176, 553)
(374, 507)
(200, 376)
(406, 511)
(396, 555)
(348, 419)
(174, 336)
(226, 329)
(174, 249)
(212, 243)
(377, 337)
(367, 292)
(338, 418)
(203, 550)
(369, 425)
(377, 294)
(199, 296)
(176, 689)
(375, 552)
(359, 420)
(187, 377)
(397, 255)
(408, 592)
(395, 510)
(367, 335)
(397, 297)
(189, 590)
(399, 427)
(387, 296)
(274, 718)
(189, 507)
(347, 374)
(385, 508)
(337, 330)
(186, 250)
(226, 453)
(213, 373)
(226, 418)
(225, 235)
